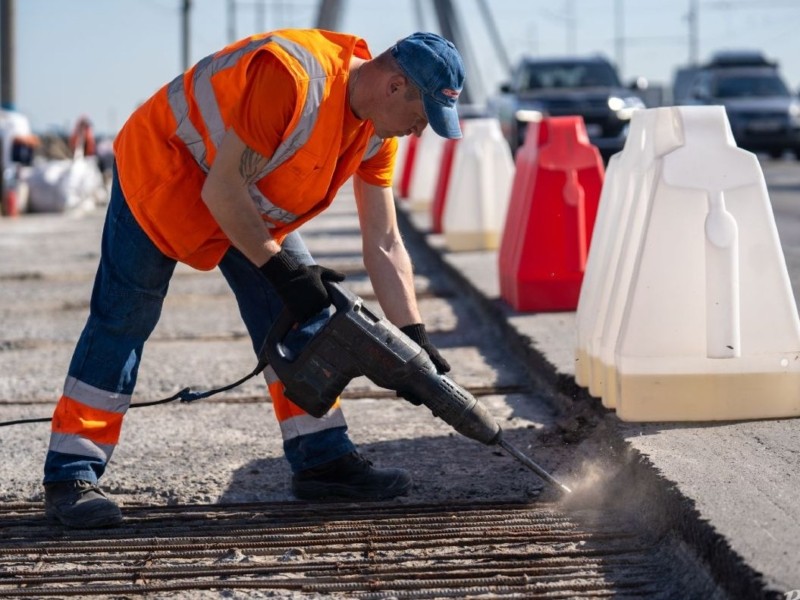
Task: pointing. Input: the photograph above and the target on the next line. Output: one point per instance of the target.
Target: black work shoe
(350, 477)
(79, 504)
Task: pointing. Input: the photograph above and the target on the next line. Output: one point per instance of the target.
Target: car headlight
(794, 114)
(625, 107)
(528, 115)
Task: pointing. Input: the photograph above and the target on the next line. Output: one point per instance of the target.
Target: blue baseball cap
(436, 68)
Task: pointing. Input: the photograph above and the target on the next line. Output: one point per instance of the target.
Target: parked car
(588, 87)
(682, 84)
(740, 58)
(763, 113)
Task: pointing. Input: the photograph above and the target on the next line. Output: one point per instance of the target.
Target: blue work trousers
(129, 289)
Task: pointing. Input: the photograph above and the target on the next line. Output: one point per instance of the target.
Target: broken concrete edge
(662, 508)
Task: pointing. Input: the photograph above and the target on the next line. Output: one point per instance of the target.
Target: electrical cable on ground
(184, 395)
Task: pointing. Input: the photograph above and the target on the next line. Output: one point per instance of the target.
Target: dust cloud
(591, 484)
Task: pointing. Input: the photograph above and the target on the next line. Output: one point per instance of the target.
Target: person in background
(82, 138)
(17, 146)
(218, 169)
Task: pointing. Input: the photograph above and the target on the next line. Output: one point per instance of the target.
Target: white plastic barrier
(597, 263)
(479, 189)
(624, 202)
(426, 170)
(710, 328)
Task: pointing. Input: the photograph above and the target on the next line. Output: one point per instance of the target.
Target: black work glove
(417, 333)
(300, 286)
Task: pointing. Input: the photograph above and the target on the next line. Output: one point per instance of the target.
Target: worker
(18, 145)
(18, 140)
(218, 169)
(81, 140)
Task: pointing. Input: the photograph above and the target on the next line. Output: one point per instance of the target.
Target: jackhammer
(357, 342)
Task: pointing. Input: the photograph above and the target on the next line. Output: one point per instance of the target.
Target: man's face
(402, 112)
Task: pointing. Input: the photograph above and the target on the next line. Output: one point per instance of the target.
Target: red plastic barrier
(440, 194)
(408, 166)
(551, 214)
(10, 206)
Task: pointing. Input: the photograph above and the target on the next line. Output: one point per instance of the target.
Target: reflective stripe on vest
(212, 118)
(373, 145)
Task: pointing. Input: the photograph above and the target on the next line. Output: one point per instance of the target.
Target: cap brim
(443, 119)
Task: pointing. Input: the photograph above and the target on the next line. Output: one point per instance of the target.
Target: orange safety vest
(166, 148)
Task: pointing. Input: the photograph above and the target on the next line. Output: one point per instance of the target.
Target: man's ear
(396, 83)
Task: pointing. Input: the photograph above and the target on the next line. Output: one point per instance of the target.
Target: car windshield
(568, 75)
(750, 86)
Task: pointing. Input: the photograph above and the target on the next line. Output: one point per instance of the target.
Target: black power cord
(184, 395)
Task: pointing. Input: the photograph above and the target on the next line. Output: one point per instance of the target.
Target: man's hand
(301, 287)
(418, 333)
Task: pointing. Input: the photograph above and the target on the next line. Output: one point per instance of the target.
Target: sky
(101, 58)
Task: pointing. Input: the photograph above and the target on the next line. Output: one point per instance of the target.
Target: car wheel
(775, 152)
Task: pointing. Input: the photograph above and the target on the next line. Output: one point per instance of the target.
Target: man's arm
(385, 256)
(226, 194)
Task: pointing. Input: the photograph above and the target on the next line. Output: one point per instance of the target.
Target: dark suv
(764, 115)
(588, 87)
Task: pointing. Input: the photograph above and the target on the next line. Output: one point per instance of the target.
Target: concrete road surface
(735, 482)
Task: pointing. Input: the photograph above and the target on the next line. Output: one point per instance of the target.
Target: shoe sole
(112, 519)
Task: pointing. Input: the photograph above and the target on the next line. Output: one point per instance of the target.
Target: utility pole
(7, 52)
(7, 75)
(694, 32)
(572, 28)
(494, 33)
(619, 35)
(451, 30)
(329, 14)
(231, 21)
(419, 16)
(570, 21)
(185, 32)
(260, 16)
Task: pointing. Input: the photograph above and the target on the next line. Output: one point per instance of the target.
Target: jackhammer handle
(341, 298)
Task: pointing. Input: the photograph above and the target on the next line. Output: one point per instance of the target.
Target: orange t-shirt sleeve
(378, 170)
(267, 105)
